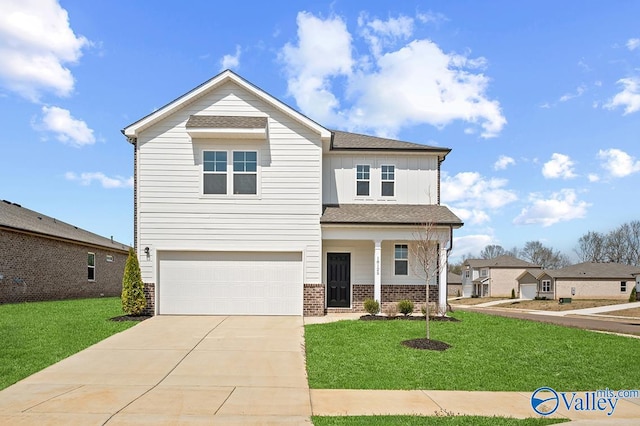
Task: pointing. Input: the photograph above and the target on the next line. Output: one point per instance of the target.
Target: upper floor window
(91, 266)
(245, 172)
(484, 273)
(388, 177)
(546, 286)
(363, 176)
(467, 274)
(215, 172)
(401, 258)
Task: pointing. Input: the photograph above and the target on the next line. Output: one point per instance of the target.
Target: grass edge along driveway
(488, 353)
(432, 421)
(35, 335)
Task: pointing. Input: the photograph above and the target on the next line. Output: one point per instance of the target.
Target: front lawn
(488, 353)
(36, 335)
(432, 421)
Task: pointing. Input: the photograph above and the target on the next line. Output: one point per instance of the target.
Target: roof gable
(133, 130)
(17, 218)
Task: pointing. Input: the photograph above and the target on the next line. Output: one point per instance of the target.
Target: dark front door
(338, 280)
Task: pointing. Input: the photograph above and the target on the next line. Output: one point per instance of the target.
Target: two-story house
(245, 206)
(495, 277)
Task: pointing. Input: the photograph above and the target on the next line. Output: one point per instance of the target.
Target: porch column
(377, 281)
(442, 287)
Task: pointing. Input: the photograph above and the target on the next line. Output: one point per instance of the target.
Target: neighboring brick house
(588, 280)
(495, 277)
(42, 258)
(454, 284)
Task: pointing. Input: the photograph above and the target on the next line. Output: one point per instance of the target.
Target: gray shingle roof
(18, 218)
(226, 122)
(453, 278)
(389, 213)
(346, 140)
(504, 261)
(594, 270)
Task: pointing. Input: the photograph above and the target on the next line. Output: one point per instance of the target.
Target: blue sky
(539, 100)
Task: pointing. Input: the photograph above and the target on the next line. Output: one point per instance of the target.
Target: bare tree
(426, 252)
(591, 247)
(536, 252)
(492, 251)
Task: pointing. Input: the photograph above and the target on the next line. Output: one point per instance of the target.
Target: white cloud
(503, 162)
(36, 45)
(470, 195)
(633, 43)
(593, 177)
(470, 244)
(560, 166)
(561, 206)
(629, 97)
(231, 61)
(66, 128)
(413, 84)
(568, 96)
(618, 163)
(106, 182)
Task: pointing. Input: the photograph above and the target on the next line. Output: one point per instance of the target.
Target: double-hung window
(401, 257)
(363, 177)
(546, 286)
(388, 177)
(245, 172)
(623, 286)
(91, 266)
(215, 172)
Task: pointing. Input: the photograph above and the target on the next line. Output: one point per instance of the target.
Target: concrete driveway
(174, 370)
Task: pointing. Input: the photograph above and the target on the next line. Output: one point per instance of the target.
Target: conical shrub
(133, 300)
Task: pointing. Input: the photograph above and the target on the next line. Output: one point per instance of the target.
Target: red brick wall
(150, 296)
(391, 294)
(314, 300)
(35, 268)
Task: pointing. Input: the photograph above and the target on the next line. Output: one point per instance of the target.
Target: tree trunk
(426, 311)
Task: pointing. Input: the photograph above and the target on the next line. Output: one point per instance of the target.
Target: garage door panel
(230, 283)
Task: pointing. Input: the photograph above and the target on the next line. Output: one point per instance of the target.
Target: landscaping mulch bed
(426, 344)
(406, 318)
(130, 318)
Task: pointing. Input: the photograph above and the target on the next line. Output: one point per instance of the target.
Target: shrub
(634, 295)
(540, 298)
(457, 293)
(513, 293)
(371, 306)
(405, 307)
(133, 300)
(391, 310)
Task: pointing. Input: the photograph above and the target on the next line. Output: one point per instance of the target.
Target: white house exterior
(245, 206)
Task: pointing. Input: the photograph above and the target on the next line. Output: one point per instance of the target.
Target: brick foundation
(313, 305)
(150, 296)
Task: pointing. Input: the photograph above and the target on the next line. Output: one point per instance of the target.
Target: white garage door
(215, 283)
(527, 291)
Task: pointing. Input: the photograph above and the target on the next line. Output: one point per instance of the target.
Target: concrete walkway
(591, 311)
(174, 370)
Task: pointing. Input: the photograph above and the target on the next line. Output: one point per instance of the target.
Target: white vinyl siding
(174, 214)
(415, 178)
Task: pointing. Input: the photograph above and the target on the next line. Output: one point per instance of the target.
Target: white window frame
(623, 286)
(215, 172)
(467, 274)
(91, 267)
(230, 172)
(544, 283)
(484, 273)
(383, 180)
(400, 259)
(363, 179)
(244, 172)
(109, 258)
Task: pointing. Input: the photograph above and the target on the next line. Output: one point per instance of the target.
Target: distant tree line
(622, 245)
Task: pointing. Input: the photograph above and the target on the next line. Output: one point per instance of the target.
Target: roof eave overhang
(63, 239)
(390, 224)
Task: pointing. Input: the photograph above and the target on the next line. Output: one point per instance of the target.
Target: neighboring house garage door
(215, 283)
(527, 291)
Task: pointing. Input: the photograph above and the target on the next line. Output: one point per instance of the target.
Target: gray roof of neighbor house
(396, 214)
(354, 141)
(454, 278)
(17, 218)
(504, 261)
(594, 270)
(226, 122)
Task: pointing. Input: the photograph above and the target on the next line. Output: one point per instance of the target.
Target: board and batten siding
(173, 214)
(416, 178)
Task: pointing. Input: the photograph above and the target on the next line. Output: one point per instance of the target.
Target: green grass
(488, 353)
(36, 335)
(434, 421)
